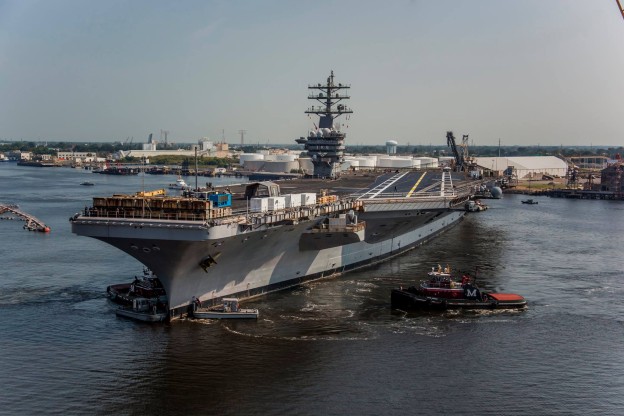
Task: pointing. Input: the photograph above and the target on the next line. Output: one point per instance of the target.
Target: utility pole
(242, 134)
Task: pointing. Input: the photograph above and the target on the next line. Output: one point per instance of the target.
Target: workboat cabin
(230, 305)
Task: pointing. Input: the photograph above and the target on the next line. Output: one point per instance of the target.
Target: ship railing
(186, 216)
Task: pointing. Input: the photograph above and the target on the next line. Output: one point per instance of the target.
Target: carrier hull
(194, 260)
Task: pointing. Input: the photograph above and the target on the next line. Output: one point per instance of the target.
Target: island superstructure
(260, 239)
(325, 144)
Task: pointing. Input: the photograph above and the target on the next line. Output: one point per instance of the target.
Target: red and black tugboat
(441, 291)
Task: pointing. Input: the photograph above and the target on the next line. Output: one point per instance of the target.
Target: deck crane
(620, 7)
(459, 158)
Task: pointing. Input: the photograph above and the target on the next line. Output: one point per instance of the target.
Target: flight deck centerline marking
(416, 185)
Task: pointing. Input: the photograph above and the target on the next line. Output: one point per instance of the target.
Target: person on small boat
(465, 279)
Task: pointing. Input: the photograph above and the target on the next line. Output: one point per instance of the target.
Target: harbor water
(331, 347)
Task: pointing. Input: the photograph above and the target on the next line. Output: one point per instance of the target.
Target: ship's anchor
(208, 261)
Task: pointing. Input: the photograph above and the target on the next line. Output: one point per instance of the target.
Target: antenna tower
(242, 134)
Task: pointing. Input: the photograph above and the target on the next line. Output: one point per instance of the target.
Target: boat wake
(338, 336)
(43, 295)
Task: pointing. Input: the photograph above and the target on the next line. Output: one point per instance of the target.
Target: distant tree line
(105, 149)
(177, 160)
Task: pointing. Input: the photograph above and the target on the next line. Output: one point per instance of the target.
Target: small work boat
(229, 310)
(441, 291)
(87, 184)
(143, 309)
(529, 201)
(475, 206)
(179, 184)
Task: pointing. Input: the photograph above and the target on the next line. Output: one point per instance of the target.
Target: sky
(525, 72)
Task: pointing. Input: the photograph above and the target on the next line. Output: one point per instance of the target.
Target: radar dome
(497, 193)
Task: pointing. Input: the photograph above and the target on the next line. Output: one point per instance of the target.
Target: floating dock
(32, 223)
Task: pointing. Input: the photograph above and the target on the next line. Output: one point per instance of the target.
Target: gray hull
(215, 262)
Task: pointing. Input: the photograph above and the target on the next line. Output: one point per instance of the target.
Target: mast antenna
(242, 134)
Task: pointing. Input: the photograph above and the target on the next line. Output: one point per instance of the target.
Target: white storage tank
(348, 164)
(285, 158)
(427, 162)
(305, 164)
(395, 162)
(366, 162)
(276, 203)
(258, 204)
(249, 157)
(293, 200)
(308, 199)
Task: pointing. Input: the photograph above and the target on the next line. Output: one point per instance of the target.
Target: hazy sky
(546, 72)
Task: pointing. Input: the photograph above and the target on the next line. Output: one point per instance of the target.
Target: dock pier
(32, 223)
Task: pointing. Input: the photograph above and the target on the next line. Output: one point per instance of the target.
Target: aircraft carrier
(266, 236)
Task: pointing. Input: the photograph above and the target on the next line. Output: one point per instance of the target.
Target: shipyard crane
(459, 158)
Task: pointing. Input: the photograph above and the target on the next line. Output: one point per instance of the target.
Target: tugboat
(148, 286)
(441, 291)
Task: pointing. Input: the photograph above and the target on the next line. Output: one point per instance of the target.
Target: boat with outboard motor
(529, 201)
(229, 310)
(441, 291)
